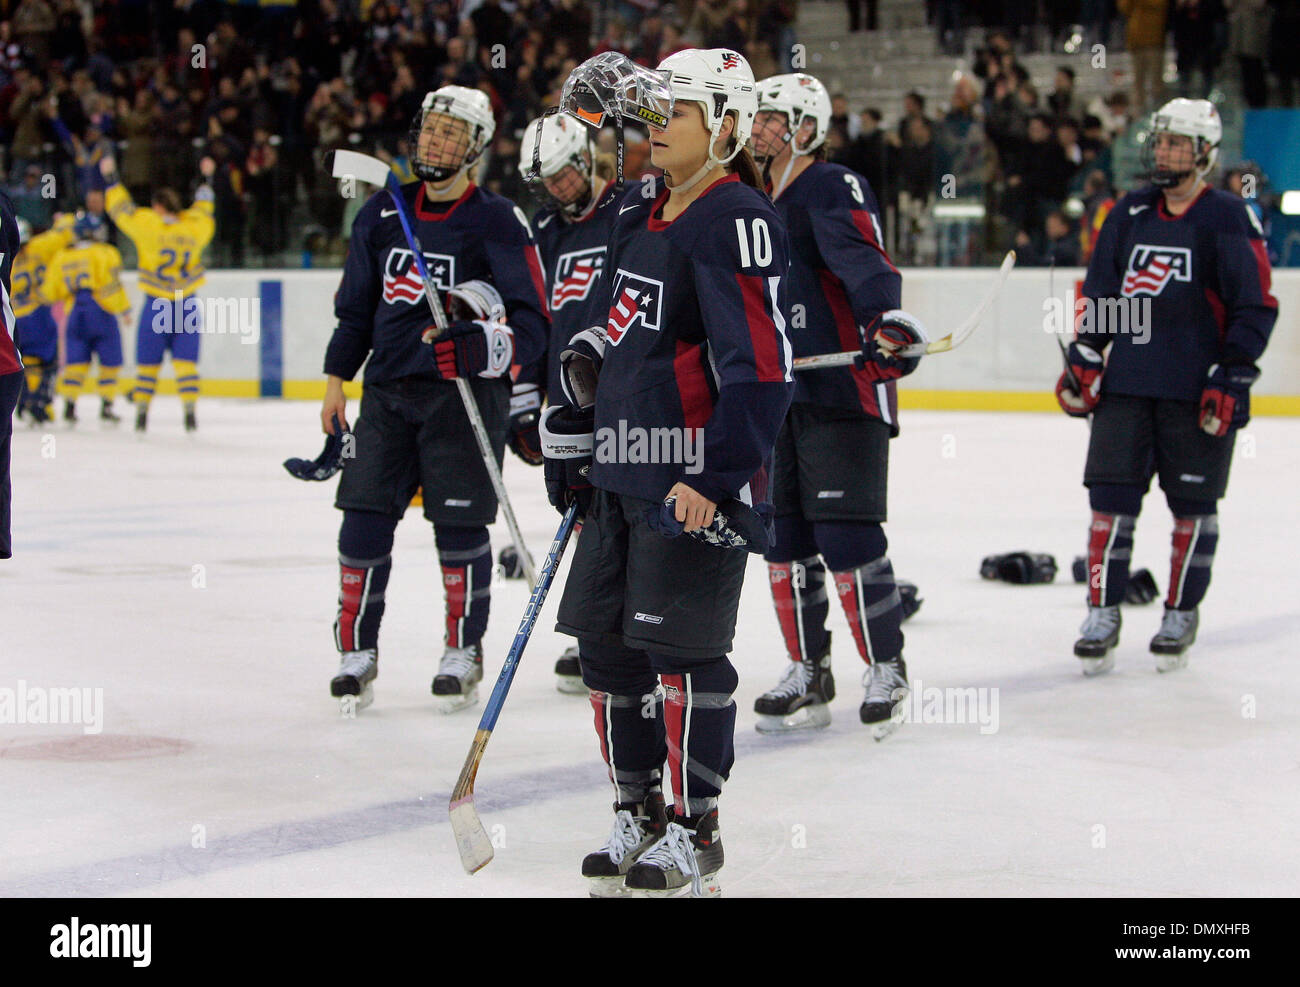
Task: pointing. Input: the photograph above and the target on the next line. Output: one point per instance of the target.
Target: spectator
(1195, 25)
(913, 109)
(1060, 246)
(34, 23)
(137, 126)
(866, 154)
(1146, 22)
(855, 14)
(1248, 22)
(1061, 100)
(1284, 57)
(30, 200)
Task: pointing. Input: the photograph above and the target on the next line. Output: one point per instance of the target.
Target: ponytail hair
(744, 165)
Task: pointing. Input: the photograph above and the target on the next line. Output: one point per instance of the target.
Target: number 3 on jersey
(758, 235)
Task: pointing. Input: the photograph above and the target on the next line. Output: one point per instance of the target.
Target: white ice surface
(1132, 784)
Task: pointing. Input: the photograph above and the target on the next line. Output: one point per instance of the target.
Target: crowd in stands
(264, 90)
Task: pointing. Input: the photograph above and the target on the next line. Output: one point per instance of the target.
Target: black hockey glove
(1021, 568)
(525, 412)
(567, 439)
(1141, 588)
(1225, 401)
(580, 366)
(735, 525)
(909, 595)
(894, 330)
(338, 447)
(472, 349)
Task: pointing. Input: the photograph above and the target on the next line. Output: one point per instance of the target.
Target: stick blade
(362, 166)
(471, 838)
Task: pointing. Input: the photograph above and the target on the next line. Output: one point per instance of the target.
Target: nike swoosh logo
(543, 222)
(383, 213)
(1134, 210)
(626, 208)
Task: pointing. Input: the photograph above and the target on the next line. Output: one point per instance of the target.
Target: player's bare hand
(694, 509)
(335, 404)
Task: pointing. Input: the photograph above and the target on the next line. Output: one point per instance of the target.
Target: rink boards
(266, 332)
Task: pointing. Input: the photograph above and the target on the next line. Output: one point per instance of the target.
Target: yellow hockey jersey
(171, 253)
(30, 266)
(87, 267)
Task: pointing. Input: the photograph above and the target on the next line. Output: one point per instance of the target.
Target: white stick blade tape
(361, 166)
(471, 838)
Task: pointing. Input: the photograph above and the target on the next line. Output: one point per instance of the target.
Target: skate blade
(349, 706)
(814, 716)
(711, 888)
(607, 887)
(1171, 663)
(570, 685)
(1097, 666)
(451, 704)
(879, 731)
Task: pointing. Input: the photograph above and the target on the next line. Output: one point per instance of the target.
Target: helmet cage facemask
(1204, 154)
(467, 149)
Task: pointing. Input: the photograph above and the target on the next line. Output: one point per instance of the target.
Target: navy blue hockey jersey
(380, 301)
(573, 257)
(696, 317)
(1201, 280)
(841, 279)
(9, 360)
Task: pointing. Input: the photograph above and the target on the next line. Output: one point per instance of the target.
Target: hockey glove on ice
(567, 441)
(1086, 366)
(525, 412)
(895, 329)
(472, 349)
(580, 366)
(1021, 568)
(1225, 402)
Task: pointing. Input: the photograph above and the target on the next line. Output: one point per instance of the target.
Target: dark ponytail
(744, 165)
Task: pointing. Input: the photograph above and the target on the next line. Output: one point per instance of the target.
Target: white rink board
(1010, 351)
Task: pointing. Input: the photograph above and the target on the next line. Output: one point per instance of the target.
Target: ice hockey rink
(194, 582)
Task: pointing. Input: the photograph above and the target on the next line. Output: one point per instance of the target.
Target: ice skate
(684, 861)
(141, 417)
(568, 673)
(191, 420)
(107, 413)
(1176, 634)
(886, 684)
(801, 700)
(353, 686)
(70, 412)
(459, 673)
(637, 825)
(1099, 636)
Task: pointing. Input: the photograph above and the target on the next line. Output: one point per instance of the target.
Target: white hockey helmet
(469, 105)
(551, 144)
(800, 97)
(722, 81)
(1194, 118)
(476, 300)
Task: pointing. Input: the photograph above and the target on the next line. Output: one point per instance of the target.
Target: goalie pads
(1021, 568)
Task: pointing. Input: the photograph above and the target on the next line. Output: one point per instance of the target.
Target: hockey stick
(471, 838)
(948, 342)
(350, 164)
(1065, 354)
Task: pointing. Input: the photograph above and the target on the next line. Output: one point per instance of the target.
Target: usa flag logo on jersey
(635, 298)
(1150, 268)
(575, 273)
(402, 278)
